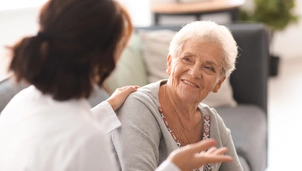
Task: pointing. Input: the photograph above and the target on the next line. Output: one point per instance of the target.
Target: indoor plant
(276, 15)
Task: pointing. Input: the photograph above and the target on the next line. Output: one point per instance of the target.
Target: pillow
(155, 50)
(130, 69)
(223, 98)
(155, 47)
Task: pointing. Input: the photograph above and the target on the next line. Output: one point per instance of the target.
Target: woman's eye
(187, 60)
(210, 68)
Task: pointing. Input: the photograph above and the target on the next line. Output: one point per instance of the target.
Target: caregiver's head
(201, 55)
(77, 46)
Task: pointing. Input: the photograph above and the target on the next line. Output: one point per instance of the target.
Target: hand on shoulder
(120, 95)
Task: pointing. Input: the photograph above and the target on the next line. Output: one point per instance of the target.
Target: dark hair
(74, 49)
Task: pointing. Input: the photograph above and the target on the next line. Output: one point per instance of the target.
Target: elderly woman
(168, 114)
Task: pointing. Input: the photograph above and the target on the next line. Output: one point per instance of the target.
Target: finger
(136, 86)
(214, 158)
(201, 145)
(128, 88)
(121, 88)
(131, 88)
(124, 88)
(220, 151)
(211, 150)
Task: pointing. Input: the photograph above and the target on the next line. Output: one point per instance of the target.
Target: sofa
(244, 110)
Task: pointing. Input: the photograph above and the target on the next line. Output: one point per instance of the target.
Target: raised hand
(194, 156)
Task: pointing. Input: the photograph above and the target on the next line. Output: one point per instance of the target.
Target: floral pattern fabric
(206, 134)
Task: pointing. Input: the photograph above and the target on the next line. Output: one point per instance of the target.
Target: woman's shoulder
(21, 100)
(141, 105)
(207, 110)
(147, 93)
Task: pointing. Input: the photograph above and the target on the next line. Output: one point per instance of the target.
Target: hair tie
(43, 36)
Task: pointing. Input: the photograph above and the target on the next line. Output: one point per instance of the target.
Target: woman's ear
(169, 61)
(218, 85)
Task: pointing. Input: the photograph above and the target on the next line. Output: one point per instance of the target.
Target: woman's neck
(184, 119)
(177, 106)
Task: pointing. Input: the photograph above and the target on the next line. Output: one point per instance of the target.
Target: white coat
(38, 133)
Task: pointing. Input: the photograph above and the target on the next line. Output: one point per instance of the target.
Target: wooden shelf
(197, 7)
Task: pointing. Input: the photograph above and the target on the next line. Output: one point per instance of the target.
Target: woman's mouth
(190, 83)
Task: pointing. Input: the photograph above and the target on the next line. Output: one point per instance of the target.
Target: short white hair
(208, 31)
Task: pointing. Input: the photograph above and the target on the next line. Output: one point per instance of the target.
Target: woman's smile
(189, 83)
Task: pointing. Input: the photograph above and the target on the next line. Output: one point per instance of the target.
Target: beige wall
(288, 43)
(15, 24)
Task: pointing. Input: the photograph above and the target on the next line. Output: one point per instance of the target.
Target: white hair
(208, 31)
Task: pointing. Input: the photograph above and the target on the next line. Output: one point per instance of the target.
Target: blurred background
(18, 18)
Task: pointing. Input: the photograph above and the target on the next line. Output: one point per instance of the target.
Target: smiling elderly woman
(168, 114)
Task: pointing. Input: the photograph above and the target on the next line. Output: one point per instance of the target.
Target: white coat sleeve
(105, 117)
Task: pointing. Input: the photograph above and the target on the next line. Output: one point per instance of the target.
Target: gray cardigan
(143, 141)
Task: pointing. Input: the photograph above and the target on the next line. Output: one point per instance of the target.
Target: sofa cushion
(244, 164)
(130, 69)
(155, 50)
(8, 89)
(249, 131)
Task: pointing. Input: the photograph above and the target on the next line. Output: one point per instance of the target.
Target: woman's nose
(195, 72)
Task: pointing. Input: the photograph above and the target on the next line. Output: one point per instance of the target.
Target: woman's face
(196, 70)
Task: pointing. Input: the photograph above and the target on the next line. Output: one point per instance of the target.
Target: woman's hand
(119, 96)
(193, 156)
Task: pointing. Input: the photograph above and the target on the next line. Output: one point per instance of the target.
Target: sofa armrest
(249, 80)
(248, 126)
